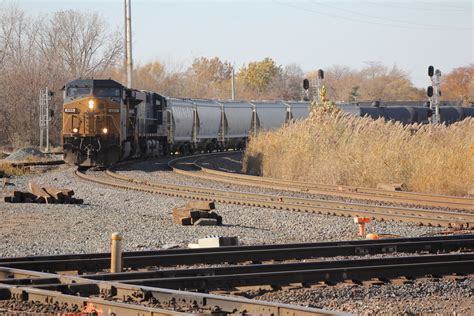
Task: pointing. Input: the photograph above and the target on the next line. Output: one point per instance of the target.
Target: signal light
(429, 91)
(430, 71)
(306, 84)
(320, 74)
(91, 104)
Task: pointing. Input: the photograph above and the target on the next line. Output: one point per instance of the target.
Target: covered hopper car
(104, 122)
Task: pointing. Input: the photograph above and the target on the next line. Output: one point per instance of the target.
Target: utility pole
(434, 93)
(233, 83)
(45, 116)
(128, 43)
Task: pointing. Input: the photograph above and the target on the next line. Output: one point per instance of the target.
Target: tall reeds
(337, 148)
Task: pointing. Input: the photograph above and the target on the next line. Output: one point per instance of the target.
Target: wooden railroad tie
(48, 195)
(199, 213)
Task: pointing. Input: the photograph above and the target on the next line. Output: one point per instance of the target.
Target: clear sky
(315, 34)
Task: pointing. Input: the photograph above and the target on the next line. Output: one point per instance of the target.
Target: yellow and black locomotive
(104, 122)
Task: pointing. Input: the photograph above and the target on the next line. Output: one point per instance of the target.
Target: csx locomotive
(104, 122)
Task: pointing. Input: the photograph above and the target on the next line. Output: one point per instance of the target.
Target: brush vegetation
(11, 170)
(337, 148)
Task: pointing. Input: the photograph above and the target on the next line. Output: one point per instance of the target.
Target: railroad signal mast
(45, 116)
(434, 92)
(316, 85)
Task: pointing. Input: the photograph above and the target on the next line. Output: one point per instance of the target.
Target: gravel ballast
(145, 221)
(424, 297)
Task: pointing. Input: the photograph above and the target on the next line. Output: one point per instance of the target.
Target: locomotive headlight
(105, 130)
(91, 104)
(75, 130)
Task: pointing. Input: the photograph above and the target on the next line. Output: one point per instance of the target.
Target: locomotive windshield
(78, 91)
(106, 92)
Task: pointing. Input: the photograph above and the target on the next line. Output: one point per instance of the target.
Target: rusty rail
(417, 216)
(62, 294)
(361, 193)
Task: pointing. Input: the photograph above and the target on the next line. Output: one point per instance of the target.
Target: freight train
(104, 122)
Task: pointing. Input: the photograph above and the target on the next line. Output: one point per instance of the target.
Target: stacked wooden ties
(199, 213)
(48, 195)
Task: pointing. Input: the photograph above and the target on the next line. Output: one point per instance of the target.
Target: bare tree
(46, 52)
(82, 42)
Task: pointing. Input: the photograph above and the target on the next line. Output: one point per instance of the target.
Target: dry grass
(10, 170)
(337, 148)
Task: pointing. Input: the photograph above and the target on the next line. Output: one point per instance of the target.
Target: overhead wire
(424, 9)
(441, 4)
(346, 18)
(388, 19)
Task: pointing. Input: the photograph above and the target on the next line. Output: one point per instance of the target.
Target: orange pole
(362, 229)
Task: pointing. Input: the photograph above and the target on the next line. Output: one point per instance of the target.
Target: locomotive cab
(92, 117)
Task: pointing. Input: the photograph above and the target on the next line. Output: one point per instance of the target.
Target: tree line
(48, 51)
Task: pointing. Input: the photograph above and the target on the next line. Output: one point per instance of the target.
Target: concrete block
(218, 241)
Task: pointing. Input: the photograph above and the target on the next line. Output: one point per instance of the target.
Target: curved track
(372, 194)
(187, 166)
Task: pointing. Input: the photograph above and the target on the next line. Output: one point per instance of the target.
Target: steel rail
(224, 255)
(332, 272)
(373, 194)
(211, 278)
(144, 277)
(125, 299)
(430, 243)
(418, 216)
(333, 275)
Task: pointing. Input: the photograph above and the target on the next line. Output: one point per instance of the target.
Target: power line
(443, 5)
(393, 20)
(346, 18)
(424, 9)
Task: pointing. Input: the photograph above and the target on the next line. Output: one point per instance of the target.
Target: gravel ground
(423, 297)
(145, 221)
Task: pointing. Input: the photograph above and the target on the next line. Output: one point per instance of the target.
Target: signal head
(306, 84)
(430, 71)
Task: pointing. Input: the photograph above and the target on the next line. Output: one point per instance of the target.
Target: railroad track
(239, 254)
(331, 207)
(143, 292)
(358, 193)
(31, 291)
